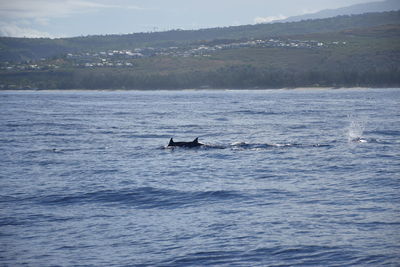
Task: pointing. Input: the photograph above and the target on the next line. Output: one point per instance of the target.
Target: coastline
(198, 89)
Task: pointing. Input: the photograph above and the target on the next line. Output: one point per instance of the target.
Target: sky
(69, 18)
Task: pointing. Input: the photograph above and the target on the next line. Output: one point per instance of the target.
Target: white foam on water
(355, 130)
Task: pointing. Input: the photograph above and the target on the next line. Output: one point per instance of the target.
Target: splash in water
(355, 132)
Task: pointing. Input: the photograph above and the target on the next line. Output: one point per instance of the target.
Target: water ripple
(142, 198)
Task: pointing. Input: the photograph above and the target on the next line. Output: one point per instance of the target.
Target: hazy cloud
(12, 30)
(269, 19)
(42, 21)
(308, 11)
(52, 9)
(19, 17)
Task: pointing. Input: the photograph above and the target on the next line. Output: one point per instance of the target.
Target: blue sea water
(286, 178)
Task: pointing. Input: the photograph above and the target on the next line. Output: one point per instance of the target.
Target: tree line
(234, 77)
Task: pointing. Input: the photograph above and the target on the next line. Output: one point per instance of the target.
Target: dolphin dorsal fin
(171, 142)
(196, 140)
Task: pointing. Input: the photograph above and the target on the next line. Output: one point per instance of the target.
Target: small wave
(144, 198)
(191, 126)
(248, 146)
(203, 147)
(10, 221)
(61, 150)
(256, 112)
(205, 258)
(221, 119)
(8, 199)
(261, 146)
(45, 124)
(268, 256)
(122, 113)
(387, 132)
(30, 220)
(145, 136)
(54, 134)
(305, 255)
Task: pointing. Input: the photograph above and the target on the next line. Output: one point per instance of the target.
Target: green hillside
(17, 49)
(300, 56)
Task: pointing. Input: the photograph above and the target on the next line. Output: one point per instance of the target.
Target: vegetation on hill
(346, 51)
(18, 49)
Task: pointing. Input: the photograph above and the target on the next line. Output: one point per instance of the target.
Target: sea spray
(355, 130)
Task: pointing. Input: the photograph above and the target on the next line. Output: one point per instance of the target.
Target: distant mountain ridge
(344, 51)
(22, 49)
(381, 6)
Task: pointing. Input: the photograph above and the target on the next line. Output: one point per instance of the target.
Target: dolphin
(194, 143)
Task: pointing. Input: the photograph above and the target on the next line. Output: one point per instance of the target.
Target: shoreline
(199, 89)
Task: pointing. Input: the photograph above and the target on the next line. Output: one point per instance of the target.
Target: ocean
(285, 178)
